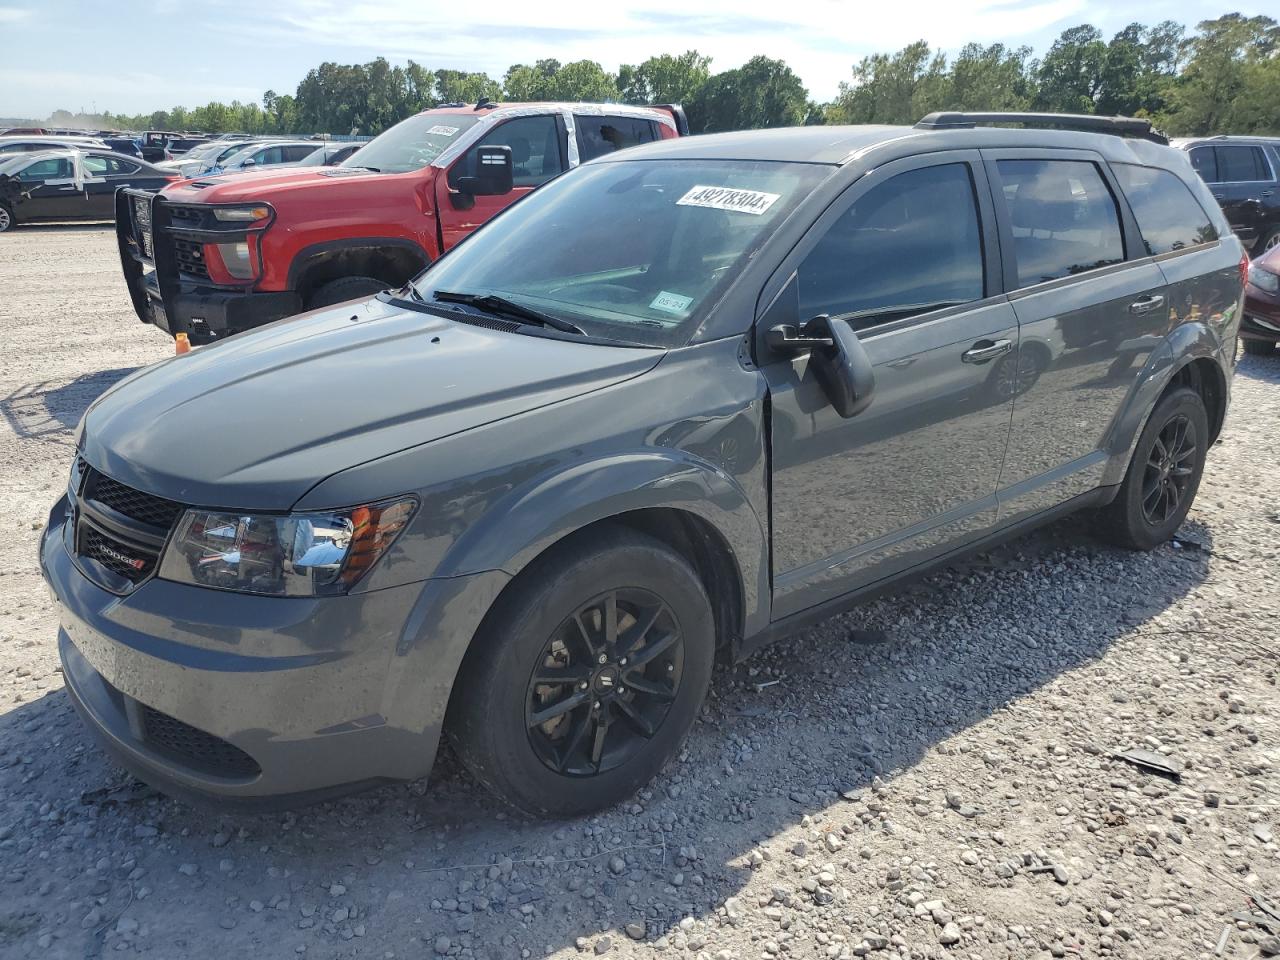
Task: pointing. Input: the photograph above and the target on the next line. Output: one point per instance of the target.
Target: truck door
(538, 153)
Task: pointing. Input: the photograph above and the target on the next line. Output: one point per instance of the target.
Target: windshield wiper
(492, 303)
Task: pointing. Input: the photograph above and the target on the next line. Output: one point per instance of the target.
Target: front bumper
(222, 695)
(1261, 315)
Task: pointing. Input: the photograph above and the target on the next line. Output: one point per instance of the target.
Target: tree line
(1223, 77)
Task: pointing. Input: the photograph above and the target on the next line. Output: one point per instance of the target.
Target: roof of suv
(837, 145)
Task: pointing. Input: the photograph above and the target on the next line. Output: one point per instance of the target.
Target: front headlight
(1263, 279)
(297, 555)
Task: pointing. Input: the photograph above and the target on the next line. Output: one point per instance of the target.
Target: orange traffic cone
(181, 343)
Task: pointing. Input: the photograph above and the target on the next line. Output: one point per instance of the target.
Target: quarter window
(910, 245)
(600, 135)
(1063, 217)
(1168, 214)
(535, 150)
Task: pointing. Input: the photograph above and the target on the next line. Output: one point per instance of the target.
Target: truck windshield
(636, 251)
(413, 143)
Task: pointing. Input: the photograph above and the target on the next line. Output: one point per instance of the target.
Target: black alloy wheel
(604, 682)
(1170, 469)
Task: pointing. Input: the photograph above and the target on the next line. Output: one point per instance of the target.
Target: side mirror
(249, 163)
(494, 173)
(837, 359)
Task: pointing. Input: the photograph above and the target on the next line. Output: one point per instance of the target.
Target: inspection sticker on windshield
(727, 198)
(442, 130)
(671, 303)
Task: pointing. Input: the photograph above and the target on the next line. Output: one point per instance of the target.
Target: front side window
(1063, 216)
(633, 251)
(269, 156)
(1241, 164)
(297, 152)
(600, 135)
(1205, 163)
(910, 245)
(1169, 216)
(54, 168)
(535, 151)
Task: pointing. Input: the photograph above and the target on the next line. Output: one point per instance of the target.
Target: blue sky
(132, 56)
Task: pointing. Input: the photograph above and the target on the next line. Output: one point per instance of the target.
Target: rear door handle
(985, 350)
(1147, 304)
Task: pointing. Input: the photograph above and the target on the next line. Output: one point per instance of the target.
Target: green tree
(761, 93)
(893, 88)
(992, 77)
(664, 79)
(1070, 75)
(457, 86)
(1227, 57)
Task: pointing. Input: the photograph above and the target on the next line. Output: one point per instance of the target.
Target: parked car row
(679, 401)
(70, 184)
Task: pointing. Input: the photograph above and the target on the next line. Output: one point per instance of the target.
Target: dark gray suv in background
(680, 401)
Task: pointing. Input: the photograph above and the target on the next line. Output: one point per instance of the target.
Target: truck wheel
(586, 677)
(1163, 475)
(1259, 348)
(343, 289)
(6, 217)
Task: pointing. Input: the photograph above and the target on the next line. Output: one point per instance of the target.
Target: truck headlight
(295, 555)
(253, 214)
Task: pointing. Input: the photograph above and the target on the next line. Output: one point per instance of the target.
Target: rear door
(1243, 184)
(907, 256)
(105, 175)
(1091, 306)
(538, 153)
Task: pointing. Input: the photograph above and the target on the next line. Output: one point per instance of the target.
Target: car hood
(250, 185)
(255, 421)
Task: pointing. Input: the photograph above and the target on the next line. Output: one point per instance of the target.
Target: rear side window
(1205, 163)
(910, 245)
(1241, 164)
(1064, 218)
(1168, 214)
(600, 135)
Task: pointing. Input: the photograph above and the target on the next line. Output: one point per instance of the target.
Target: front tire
(6, 218)
(1269, 241)
(344, 289)
(1163, 475)
(585, 679)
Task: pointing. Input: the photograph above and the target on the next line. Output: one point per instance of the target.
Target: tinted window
(269, 155)
(535, 150)
(911, 244)
(298, 152)
(600, 135)
(1241, 164)
(54, 168)
(1204, 163)
(1063, 216)
(1168, 215)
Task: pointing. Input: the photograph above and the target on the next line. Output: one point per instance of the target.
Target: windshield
(413, 143)
(635, 251)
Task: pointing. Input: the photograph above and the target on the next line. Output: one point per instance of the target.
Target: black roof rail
(1118, 126)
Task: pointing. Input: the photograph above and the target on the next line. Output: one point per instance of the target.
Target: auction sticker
(671, 303)
(442, 130)
(728, 198)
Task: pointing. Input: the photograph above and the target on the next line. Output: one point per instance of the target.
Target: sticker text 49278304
(728, 198)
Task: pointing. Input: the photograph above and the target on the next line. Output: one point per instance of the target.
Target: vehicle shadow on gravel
(417, 868)
(48, 412)
(1266, 369)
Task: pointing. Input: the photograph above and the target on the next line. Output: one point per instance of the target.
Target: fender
(1186, 343)
(528, 520)
(302, 259)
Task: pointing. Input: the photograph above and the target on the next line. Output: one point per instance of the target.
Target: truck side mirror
(493, 175)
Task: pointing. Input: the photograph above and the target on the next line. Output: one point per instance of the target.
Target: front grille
(143, 507)
(190, 258)
(185, 216)
(122, 559)
(194, 748)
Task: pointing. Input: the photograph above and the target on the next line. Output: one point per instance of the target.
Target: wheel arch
(394, 260)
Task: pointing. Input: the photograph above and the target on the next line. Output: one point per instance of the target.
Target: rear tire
(553, 626)
(344, 289)
(1269, 241)
(6, 218)
(1259, 348)
(1163, 475)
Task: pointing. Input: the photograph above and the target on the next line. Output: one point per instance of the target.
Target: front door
(538, 153)
(1091, 306)
(908, 257)
(51, 190)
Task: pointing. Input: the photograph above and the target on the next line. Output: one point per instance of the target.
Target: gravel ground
(932, 775)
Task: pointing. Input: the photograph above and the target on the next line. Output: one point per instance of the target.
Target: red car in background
(213, 256)
(1260, 329)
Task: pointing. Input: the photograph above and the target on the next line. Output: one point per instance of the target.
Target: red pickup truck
(213, 256)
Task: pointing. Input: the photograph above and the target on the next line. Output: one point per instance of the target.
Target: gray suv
(681, 401)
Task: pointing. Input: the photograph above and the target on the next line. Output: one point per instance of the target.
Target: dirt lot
(930, 776)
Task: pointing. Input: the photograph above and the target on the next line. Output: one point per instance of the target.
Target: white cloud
(13, 15)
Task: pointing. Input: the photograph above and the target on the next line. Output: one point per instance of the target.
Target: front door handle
(1147, 304)
(985, 350)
